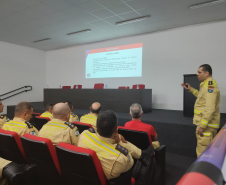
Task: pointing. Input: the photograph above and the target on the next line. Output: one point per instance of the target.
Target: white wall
(167, 56)
(20, 66)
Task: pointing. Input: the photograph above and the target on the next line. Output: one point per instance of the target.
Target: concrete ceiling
(24, 21)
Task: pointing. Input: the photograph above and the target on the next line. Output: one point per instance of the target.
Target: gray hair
(60, 111)
(136, 110)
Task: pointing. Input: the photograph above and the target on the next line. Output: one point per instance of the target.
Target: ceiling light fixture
(132, 20)
(83, 31)
(42, 40)
(209, 3)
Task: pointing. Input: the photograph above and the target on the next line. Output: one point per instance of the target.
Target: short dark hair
(107, 122)
(49, 106)
(206, 67)
(96, 111)
(69, 104)
(22, 107)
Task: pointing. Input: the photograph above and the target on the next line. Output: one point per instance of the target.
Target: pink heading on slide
(116, 48)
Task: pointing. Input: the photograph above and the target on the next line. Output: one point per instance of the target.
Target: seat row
(64, 164)
(136, 137)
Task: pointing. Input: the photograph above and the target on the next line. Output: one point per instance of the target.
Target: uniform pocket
(205, 140)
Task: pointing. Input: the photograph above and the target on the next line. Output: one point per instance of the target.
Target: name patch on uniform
(122, 149)
(71, 125)
(210, 89)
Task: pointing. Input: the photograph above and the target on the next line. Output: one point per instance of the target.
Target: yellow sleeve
(209, 107)
(122, 165)
(74, 136)
(194, 91)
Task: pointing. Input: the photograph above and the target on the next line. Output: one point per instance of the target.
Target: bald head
(95, 108)
(61, 111)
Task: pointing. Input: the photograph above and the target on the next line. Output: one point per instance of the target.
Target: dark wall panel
(189, 98)
(118, 100)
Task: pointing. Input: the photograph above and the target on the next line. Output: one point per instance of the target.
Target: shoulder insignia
(28, 124)
(73, 114)
(210, 83)
(91, 130)
(210, 89)
(122, 149)
(2, 117)
(71, 125)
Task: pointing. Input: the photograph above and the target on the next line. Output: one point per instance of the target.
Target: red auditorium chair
(82, 126)
(99, 86)
(142, 141)
(138, 86)
(34, 114)
(66, 87)
(11, 147)
(123, 87)
(77, 87)
(41, 151)
(82, 166)
(40, 121)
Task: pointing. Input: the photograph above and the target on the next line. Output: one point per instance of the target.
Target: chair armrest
(124, 178)
(160, 154)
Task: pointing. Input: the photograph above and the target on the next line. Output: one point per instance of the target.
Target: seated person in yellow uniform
(73, 116)
(115, 157)
(20, 122)
(48, 112)
(13, 173)
(59, 129)
(3, 119)
(91, 118)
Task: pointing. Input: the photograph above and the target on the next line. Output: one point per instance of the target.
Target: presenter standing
(206, 109)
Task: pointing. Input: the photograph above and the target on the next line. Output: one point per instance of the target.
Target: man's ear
(142, 113)
(25, 114)
(130, 114)
(90, 108)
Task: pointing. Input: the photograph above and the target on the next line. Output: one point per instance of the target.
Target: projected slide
(118, 61)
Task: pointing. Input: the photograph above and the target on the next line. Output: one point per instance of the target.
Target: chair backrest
(40, 121)
(34, 114)
(82, 126)
(138, 138)
(79, 165)
(41, 151)
(123, 87)
(138, 86)
(66, 87)
(11, 147)
(99, 86)
(77, 87)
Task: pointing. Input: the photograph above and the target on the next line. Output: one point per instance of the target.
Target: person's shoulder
(70, 125)
(211, 86)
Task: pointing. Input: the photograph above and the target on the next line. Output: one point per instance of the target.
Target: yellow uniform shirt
(20, 126)
(206, 108)
(60, 131)
(47, 114)
(113, 161)
(73, 117)
(89, 118)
